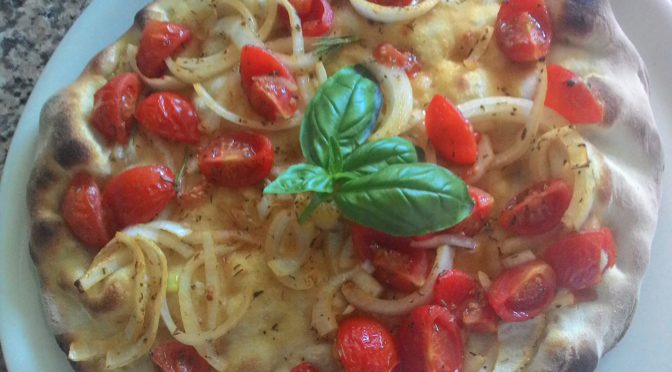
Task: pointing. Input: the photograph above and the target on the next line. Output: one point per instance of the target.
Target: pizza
(318, 185)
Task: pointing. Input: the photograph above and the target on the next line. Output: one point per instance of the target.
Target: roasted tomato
(269, 86)
(464, 297)
(237, 159)
(176, 357)
(473, 224)
(430, 341)
(159, 41)
(523, 292)
(571, 97)
(138, 195)
(170, 116)
(316, 16)
(386, 54)
(114, 105)
(364, 345)
(304, 367)
(580, 259)
(450, 133)
(397, 265)
(523, 30)
(84, 213)
(538, 209)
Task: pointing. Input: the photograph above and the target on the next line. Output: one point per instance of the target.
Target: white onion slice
(471, 62)
(295, 27)
(193, 70)
(486, 156)
(364, 301)
(269, 21)
(398, 96)
(518, 259)
(323, 315)
(165, 82)
(454, 240)
(234, 28)
(390, 14)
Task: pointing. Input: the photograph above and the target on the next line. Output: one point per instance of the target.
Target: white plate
(28, 344)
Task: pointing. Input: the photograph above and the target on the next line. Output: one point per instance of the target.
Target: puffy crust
(587, 40)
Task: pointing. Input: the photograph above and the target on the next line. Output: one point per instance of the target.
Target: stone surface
(30, 30)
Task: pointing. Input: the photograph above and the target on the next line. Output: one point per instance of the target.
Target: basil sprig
(377, 184)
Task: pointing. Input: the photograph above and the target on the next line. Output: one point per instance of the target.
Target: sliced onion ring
(390, 14)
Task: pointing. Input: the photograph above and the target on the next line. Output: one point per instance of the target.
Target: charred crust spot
(41, 179)
(585, 361)
(71, 153)
(42, 233)
(580, 16)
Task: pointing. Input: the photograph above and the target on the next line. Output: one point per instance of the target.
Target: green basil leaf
(406, 199)
(374, 156)
(345, 108)
(301, 178)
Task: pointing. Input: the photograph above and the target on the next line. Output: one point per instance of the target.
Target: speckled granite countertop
(30, 30)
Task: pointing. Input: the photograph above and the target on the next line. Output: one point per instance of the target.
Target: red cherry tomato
(571, 97)
(176, 357)
(139, 194)
(464, 297)
(450, 133)
(84, 214)
(237, 159)
(397, 265)
(474, 223)
(170, 116)
(577, 258)
(538, 209)
(114, 105)
(386, 54)
(523, 292)
(304, 367)
(269, 86)
(523, 30)
(159, 41)
(430, 341)
(364, 345)
(316, 16)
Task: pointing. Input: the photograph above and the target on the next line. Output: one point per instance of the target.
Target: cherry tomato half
(316, 16)
(170, 116)
(138, 195)
(269, 86)
(159, 41)
(577, 258)
(304, 367)
(430, 341)
(84, 214)
(523, 292)
(386, 54)
(114, 105)
(237, 159)
(364, 345)
(176, 357)
(571, 97)
(397, 265)
(538, 209)
(450, 133)
(523, 30)
(474, 223)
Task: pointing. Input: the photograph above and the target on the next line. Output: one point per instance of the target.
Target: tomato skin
(392, 2)
(450, 132)
(364, 345)
(114, 105)
(138, 195)
(386, 54)
(170, 116)
(304, 367)
(523, 292)
(317, 17)
(571, 97)
(269, 86)
(478, 316)
(478, 217)
(576, 258)
(430, 341)
(159, 41)
(237, 159)
(538, 209)
(523, 30)
(176, 357)
(84, 214)
(397, 265)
